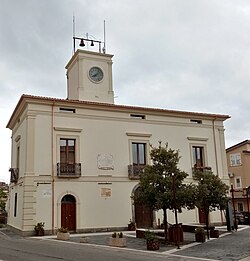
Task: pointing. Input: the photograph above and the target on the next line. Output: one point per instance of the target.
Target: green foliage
(117, 235)
(39, 226)
(160, 179)
(149, 235)
(211, 192)
(63, 230)
(3, 197)
(199, 230)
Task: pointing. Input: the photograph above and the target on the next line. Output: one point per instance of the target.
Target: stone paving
(132, 241)
(231, 246)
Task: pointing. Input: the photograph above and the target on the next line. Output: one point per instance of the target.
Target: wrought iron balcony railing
(202, 169)
(134, 171)
(14, 175)
(65, 170)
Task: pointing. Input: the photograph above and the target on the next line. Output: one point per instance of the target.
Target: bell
(82, 44)
(92, 43)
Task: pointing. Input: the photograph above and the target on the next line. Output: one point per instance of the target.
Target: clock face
(96, 74)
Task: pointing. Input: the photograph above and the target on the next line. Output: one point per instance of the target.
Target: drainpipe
(52, 166)
(215, 149)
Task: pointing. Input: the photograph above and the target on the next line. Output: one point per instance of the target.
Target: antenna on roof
(104, 37)
(73, 31)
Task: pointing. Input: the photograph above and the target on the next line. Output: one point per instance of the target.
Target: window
(198, 156)
(240, 206)
(67, 167)
(235, 159)
(18, 157)
(67, 151)
(196, 121)
(67, 110)
(238, 182)
(138, 116)
(15, 205)
(139, 153)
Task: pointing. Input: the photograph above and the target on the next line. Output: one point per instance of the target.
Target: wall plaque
(105, 161)
(105, 192)
(46, 193)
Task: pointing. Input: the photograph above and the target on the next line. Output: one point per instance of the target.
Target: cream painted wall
(98, 132)
(43, 206)
(80, 85)
(15, 221)
(93, 209)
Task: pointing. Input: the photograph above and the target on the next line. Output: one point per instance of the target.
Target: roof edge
(109, 106)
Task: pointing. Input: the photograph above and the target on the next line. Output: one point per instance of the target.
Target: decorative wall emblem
(105, 161)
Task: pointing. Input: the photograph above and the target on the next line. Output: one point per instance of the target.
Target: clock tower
(89, 77)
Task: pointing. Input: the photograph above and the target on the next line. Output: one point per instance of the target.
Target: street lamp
(247, 193)
(235, 223)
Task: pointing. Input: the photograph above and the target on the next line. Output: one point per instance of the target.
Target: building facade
(76, 162)
(238, 160)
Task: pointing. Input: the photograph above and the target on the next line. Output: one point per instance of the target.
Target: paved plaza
(229, 246)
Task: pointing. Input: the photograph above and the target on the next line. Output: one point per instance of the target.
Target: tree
(211, 194)
(161, 184)
(3, 196)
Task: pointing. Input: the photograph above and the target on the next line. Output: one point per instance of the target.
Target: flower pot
(200, 237)
(63, 236)
(40, 232)
(117, 242)
(214, 233)
(84, 240)
(153, 244)
(131, 227)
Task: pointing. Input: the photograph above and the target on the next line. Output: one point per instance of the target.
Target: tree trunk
(206, 215)
(165, 222)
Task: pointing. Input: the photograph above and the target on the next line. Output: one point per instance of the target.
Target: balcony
(206, 170)
(14, 175)
(65, 170)
(134, 171)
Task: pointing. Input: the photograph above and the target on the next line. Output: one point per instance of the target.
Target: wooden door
(202, 216)
(143, 216)
(68, 212)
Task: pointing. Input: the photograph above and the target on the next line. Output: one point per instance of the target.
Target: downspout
(215, 148)
(52, 165)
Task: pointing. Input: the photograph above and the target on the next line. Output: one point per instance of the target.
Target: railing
(134, 171)
(14, 175)
(202, 169)
(65, 170)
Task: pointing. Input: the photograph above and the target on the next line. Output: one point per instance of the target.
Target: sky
(189, 55)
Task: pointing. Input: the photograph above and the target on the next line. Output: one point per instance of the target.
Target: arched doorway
(143, 215)
(68, 212)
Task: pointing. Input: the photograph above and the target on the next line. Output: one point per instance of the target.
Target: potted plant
(131, 225)
(63, 233)
(117, 240)
(39, 229)
(153, 243)
(214, 233)
(200, 234)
